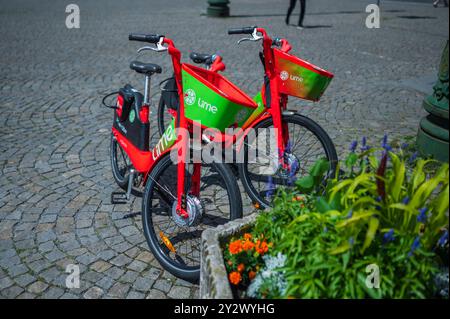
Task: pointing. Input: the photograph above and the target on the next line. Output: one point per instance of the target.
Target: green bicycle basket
(212, 100)
(300, 78)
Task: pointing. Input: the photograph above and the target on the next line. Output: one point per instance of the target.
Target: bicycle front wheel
(308, 142)
(175, 241)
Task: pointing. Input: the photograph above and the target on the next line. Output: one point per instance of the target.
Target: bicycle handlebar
(246, 30)
(149, 38)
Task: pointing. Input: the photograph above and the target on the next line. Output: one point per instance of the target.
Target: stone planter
(213, 275)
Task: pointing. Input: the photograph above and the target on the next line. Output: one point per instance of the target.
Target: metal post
(218, 8)
(147, 90)
(433, 135)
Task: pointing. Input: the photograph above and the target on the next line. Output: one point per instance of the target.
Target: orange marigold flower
(241, 267)
(262, 248)
(251, 275)
(235, 247)
(235, 278)
(248, 236)
(248, 245)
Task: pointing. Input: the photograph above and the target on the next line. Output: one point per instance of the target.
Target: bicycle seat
(201, 58)
(145, 68)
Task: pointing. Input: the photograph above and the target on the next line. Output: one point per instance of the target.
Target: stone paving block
(119, 290)
(37, 287)
(23, 280)
(156, 294)
(163, 285)
(55, 174)
(143, 284)
(100, 266)
(178, 292)
(93, 293)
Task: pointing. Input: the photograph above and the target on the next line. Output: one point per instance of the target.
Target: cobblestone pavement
(55, 178)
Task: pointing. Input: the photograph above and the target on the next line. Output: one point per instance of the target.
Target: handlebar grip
(246, 30)
(150, 38)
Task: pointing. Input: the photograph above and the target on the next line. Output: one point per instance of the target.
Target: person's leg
(291, 8)
(302, 12)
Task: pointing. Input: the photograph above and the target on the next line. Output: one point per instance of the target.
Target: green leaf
(371, 231)
(356, 217)
(305, 184)
(441, 205)
(319, 168)
(372, 292)
(418, 176)
(399, 177)
(351, 160)
(322, 205)
(341, 249)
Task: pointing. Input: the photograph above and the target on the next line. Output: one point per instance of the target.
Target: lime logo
(189, 97)
(284, 75)
(132, 116)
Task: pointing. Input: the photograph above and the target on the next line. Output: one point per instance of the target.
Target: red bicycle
(298, 140)
(181, 198)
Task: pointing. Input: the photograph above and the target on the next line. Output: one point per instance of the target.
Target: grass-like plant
(384, 210)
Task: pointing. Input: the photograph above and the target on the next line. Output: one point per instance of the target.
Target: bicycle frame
(278, 102)
(144, 161)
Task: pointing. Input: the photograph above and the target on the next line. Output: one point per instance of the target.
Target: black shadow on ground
(415, 17)
(307, 13)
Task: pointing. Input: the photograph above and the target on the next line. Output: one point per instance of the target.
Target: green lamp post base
(218, 8)
(430, 145)
(433, 135)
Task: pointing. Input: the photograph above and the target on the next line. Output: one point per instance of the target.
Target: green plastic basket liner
(299, 78)
(212, 100)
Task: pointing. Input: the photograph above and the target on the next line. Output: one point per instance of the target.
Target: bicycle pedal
(119, 198)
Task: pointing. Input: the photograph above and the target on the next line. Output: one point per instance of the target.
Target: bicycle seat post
(147, 90)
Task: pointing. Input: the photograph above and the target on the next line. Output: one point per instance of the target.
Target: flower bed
(379, 230)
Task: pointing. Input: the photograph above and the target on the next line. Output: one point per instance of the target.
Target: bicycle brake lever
(245, 39)
(159, 47)
(255, 37)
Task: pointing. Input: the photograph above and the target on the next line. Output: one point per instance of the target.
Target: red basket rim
(245, 99)
(303, 63)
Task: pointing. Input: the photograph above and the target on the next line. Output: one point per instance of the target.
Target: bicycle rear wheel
(164, 116)
(308, 143)
(174, 241)
(120, 163)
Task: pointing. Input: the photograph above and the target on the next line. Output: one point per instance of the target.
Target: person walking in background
(302, 12)
(436, 3)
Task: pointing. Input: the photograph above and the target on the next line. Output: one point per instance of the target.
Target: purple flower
(415, 245)
(444, 239)
(389, 236)
(364, 146)
(350, 214)
(405, 200)
(353, 146)
(364, 141)
(422, 217)
(351, 241)
(404, 146)
(385, 144)
(270, 187)
(413, 157)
